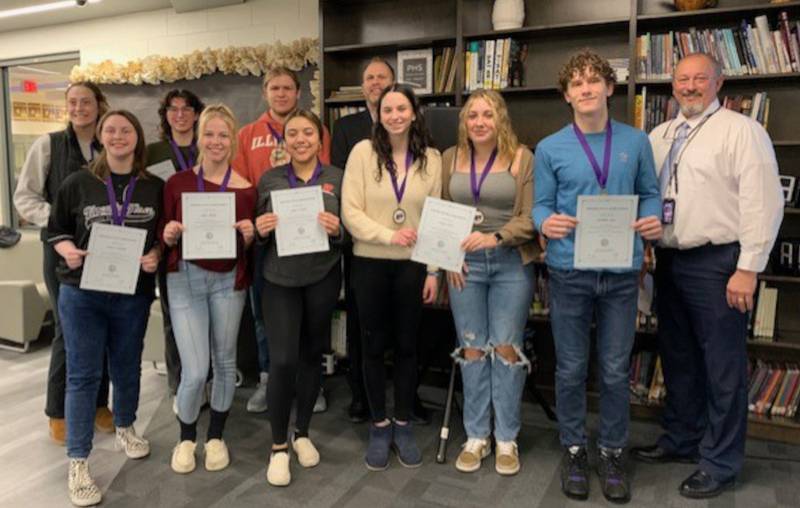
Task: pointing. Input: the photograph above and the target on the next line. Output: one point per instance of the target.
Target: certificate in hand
(208, 219)
(298, 230)
(442, 228)
(163, 169)
(604, 236)
(112, 264)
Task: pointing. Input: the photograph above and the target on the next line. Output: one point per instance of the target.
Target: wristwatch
(499, 238)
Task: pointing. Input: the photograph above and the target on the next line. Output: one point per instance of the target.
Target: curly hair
(418, 137)
(192, 100)
(99, 166)
(224, 113)
(507, 141)
(579, 62)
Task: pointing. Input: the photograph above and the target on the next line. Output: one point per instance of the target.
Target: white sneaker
(472, 453)
(257, 403)
(321, 404)
(183, 460)
(135, 447)
(307, 454)
(278, 473)
(82, 489)
(506, 458)
(217, 457)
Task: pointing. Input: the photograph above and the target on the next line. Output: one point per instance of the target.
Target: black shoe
(420, 415)
(575, 473)
(701, 485)
(357, 411)
(654, 454)
(613, 477)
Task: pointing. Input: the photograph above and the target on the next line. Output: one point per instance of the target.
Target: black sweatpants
(389, 297)
(298, 326)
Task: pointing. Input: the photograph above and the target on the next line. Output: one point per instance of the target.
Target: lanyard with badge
(475, 184)
(668, 204)
(279, 142)
(399, 215)
(600, 173)
(292, 176)
(118, 215)
(201, 183)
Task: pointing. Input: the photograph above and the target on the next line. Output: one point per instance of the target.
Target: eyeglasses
(175, 110)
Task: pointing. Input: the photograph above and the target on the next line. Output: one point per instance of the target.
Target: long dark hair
(418, 137)
(192, 100)
(99, 166)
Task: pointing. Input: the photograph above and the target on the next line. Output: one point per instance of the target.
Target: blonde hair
(224, 113)
(507, 141)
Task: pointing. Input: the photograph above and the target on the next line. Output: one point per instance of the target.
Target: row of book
(774, 389)
(763, 319)
(742, 50)
(494, 64)
(444, 71)
(335, 113)
(652, 110)
(646, 379)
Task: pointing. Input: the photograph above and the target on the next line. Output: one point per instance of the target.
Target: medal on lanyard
(292, 176)
(118, 215)
(279, 150)
(668, 211)
(399, 215)
(600, 173)
(179, 155)
(475, 185)
(201, 184)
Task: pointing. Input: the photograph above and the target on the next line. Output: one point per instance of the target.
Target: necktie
(680, 138)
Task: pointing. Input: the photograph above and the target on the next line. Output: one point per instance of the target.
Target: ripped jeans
(491, 310)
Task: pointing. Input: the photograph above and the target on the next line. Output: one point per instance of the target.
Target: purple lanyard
(292, 176)
(602, 175)
(399, 191)
(118, 215)
(201, 184)
(179, 155)
(476, 185)
(275, 134)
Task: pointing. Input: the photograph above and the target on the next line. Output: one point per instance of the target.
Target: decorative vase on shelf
(508, 14)
(693, 5)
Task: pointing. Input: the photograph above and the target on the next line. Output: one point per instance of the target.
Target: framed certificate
(298, 230)
(442, 228)
(112, 264)
(208, 220)
(415, 68)
(604, 236)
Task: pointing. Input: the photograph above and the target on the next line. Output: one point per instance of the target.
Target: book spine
(488, 63)
(498, 63)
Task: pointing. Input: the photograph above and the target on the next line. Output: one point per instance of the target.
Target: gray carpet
(769, 478)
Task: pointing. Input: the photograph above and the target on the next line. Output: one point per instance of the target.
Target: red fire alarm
(29, 86)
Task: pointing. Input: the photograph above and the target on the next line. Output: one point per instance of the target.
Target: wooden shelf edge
(778, 278)
(398, 43)
(361, 100)
(750, 77)
(772, 345)
(556, 27)
(704, 13)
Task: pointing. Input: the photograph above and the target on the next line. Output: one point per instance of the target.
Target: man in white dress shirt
(723, 206)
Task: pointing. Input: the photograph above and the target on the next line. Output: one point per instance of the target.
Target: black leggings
(389, 297)
(298, 326)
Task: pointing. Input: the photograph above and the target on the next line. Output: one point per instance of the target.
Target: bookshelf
(353, 31)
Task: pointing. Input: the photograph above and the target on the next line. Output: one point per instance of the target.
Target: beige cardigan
(368, 204)
(519, 231)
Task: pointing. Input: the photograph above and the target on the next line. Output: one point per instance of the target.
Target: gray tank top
(497, 198)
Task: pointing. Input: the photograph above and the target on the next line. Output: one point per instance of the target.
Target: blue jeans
(206, 312)
(260, 330)
(576, 295)
(95, 325)
(491, 310)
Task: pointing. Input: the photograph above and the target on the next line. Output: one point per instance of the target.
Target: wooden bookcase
(353, 31)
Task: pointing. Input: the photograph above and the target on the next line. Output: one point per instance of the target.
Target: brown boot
(58, 431)
(104, 420)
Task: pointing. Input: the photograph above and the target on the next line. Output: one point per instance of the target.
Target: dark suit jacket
(348, 131)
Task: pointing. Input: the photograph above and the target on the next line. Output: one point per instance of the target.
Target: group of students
(374, 202)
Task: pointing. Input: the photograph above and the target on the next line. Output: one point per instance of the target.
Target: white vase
(508, 14)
